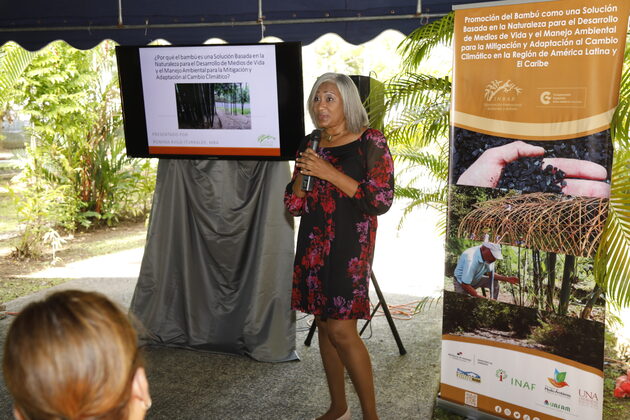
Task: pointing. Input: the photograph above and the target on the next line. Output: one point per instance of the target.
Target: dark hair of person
(71, 356)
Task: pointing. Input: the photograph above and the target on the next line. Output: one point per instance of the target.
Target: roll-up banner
(535, 86)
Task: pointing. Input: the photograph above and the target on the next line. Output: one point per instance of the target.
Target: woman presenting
(335, 248)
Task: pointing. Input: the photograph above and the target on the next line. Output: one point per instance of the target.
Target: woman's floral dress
(337, 233)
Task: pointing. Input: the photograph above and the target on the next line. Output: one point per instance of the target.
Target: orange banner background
(548, 70)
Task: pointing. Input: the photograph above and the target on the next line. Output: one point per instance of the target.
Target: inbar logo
(504, 91)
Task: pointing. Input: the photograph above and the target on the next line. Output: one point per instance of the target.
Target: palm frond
(428, 197)
(612, 262)
(620, 126)
(421, 106)
(413, 90)
(419, 128)
(417, 46)
(435, 199)
(13, 60)
(426, 303)
(436, 166)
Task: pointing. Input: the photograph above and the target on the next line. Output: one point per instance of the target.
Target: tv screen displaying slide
(212, 101)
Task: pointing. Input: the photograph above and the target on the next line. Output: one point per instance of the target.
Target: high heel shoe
(346, 415)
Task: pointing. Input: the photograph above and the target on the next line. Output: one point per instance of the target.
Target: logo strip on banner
(492, 405)
(525, 350)
(517, 382)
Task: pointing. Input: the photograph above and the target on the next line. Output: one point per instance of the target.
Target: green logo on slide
(266, 139)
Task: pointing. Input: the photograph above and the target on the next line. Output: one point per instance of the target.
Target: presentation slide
(211, 98)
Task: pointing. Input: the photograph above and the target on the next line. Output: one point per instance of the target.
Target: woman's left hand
(311, 164)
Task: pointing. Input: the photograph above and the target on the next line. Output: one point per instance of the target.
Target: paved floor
(197, 385)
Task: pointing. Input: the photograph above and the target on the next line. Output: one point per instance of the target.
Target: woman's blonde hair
(353, 109)
(71, 356)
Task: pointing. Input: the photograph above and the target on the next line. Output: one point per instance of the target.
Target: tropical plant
(13, 61)
(418, 136)
(418, 133)
(612, 262)
(76, 171)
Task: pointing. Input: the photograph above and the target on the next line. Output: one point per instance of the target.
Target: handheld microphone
(307, 180)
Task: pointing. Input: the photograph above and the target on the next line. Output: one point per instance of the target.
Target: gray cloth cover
(217, 266)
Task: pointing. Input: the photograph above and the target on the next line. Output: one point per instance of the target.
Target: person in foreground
(74, 355)
(354, 183)
(475, 269)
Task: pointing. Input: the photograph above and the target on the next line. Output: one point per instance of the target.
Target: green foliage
(76, 173)
(612, 262)
(569, 337)
(421, 104)
(467, 314)
(417, 46)
(13, 61)
(620, 127)
(417, 128)
(231, 94)
(42, 208)
(411, 179)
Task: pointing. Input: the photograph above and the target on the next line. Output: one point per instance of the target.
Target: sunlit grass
(8, 213)
(119, 243)
(13, 288)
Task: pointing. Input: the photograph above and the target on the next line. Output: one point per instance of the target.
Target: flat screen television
(212, 101)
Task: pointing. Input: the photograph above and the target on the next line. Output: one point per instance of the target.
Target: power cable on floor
(401, 312)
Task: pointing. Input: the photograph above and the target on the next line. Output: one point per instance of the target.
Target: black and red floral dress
(335, 248)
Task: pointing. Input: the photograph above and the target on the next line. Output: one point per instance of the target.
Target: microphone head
(316, 136)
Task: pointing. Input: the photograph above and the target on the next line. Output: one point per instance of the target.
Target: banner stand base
(470, 413)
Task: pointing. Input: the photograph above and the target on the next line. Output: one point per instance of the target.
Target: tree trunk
(240, 96)
(551, 279)
(537, 277)
(586, 312)
(565, 291)
(213, 105)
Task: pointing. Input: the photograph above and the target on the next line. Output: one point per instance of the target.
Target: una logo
(558, 379)
(498, 89)
(501, 374)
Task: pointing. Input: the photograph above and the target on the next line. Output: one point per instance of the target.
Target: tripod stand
(388, 315)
